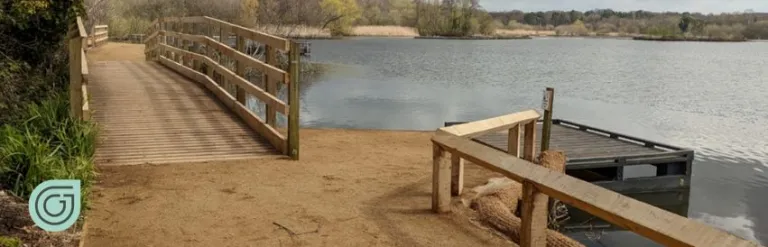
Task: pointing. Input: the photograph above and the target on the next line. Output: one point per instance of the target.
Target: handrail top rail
(77, 29)
(83, 63)
(261, 37)
(654, 223)
(268, 69)
(481, 127)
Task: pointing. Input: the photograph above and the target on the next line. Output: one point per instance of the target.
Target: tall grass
(48, 144)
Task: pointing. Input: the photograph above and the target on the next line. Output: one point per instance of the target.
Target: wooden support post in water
(441, 177)
(457, 174)
(240, 69)
(269, 83)
(549, 95)
(293, 101)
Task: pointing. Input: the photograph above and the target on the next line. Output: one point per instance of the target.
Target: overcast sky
(704, 6)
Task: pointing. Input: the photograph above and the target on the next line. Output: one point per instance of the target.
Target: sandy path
(351, 188)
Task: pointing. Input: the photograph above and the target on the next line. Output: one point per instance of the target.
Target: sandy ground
(350, 188)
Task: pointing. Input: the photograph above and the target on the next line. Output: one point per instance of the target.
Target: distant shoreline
(474, 37)
(313, 33)
(688, 39)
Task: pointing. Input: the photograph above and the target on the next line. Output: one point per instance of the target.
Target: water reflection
(677, 93)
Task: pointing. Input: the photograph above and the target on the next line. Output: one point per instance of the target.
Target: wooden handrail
(478, 128)
(654, 223)
(78, 71)
(269, 99)
(261, 37)
(177, 43)
(99, 35)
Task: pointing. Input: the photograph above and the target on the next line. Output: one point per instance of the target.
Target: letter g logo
(55, 204)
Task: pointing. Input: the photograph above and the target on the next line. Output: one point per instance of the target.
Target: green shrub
(10, 241)
(49, 144)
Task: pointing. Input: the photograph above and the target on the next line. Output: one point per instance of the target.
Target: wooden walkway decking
(150, 114)
(576, 143)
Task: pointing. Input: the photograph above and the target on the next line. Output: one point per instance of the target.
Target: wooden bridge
(194, 99)
(198, 99)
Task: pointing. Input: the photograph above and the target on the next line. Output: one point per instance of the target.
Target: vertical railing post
(209, 48)
(160, 39)
(269, 83)
(220, 61)
(150, 48)
(75, 73)
(293, 101)
(457, 175)
(177, 30)
(196, 47)
(513, 140)
(185, 44)
(533, 232)
(547, 102)
(441, 177)
(240, 70)
(529, 145)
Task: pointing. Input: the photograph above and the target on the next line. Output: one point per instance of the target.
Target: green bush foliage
(33, 58)
(49, 144)
(10, 241)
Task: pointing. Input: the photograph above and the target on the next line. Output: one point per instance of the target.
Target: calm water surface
(710, 97)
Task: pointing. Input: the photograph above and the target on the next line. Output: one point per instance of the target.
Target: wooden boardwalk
(150, 114)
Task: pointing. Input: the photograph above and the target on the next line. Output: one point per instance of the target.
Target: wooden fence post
(75, 75)
(513, 140)
(546, 129)
(533, 232)
(195, 47)
(161, 38)
(529, 146)
(441, 177)
(269, 83)
(240, 70)
(457, 175)
(185, 44)
(293, 101)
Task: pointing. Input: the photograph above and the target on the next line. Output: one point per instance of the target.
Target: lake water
(710, 97)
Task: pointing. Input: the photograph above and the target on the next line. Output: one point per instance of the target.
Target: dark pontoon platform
(601, 157)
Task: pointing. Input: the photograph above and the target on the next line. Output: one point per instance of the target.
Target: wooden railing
(99, 35)
(540, 183)
(78, 71)
(187, 45)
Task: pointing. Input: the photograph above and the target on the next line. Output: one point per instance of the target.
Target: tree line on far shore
(428, 17)
(746, 24)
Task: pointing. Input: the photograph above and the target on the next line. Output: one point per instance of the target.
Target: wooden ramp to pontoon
(150, 114)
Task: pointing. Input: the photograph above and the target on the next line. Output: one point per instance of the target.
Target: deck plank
(576, 143)
(149, 114)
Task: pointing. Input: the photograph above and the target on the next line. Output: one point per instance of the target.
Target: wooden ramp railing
(78, 71)
(99, 35)
(539, 183)
(187, 46)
